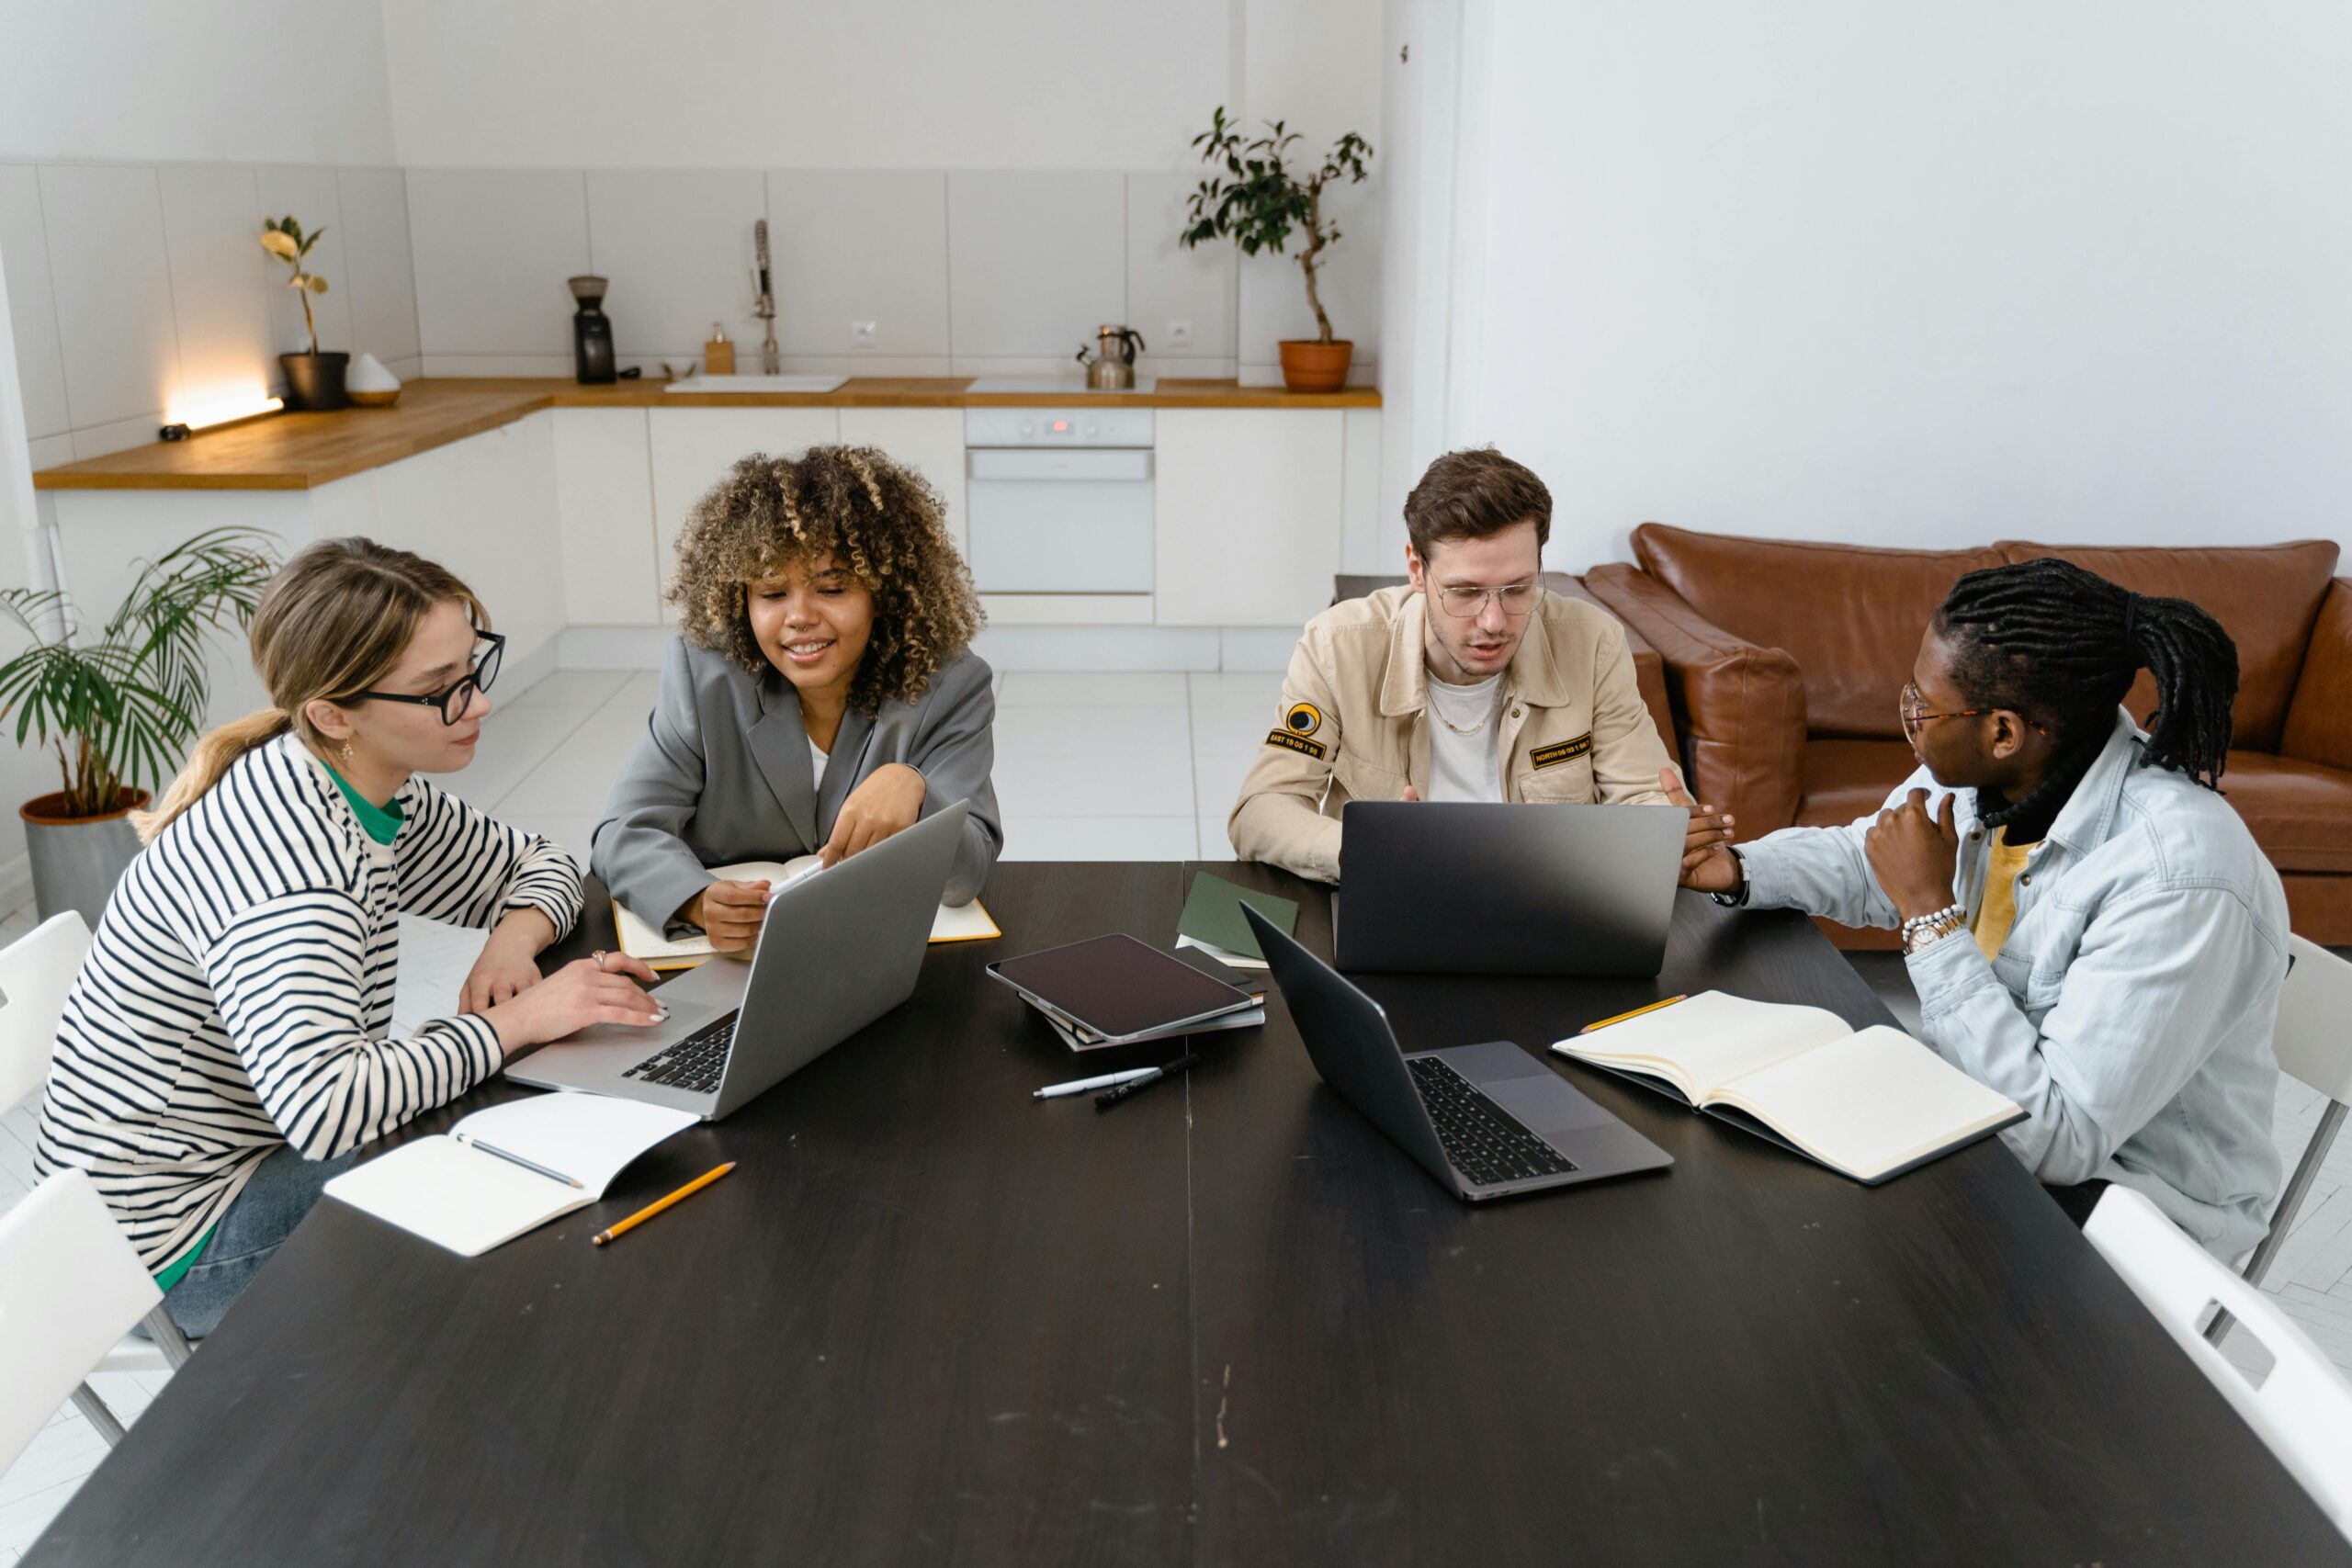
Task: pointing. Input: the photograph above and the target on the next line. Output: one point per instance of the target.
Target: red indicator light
(1061, 424)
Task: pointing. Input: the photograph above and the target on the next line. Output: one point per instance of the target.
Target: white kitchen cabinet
(929, 441)
(509, 547)
(1247, 526)
(604, 489)
(693, 449)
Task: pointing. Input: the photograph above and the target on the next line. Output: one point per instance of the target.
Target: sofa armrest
(1739, 709)
(2319, 717)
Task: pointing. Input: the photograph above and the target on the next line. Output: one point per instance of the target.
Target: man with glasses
(1469, 682)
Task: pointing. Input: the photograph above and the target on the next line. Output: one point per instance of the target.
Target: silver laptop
(1486, 1121)
(837, 951)
(1465, 888)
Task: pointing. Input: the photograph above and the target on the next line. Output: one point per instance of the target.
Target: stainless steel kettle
(1112, 367)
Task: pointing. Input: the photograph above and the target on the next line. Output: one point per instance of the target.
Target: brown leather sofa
(1783, 660)
(1650, 670)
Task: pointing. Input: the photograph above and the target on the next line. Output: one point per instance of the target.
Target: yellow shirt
(1997, 910)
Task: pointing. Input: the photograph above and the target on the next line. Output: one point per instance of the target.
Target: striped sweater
(239, 989)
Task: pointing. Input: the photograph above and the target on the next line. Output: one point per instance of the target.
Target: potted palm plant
(121, 708)
(1256, 201)
(314, 380)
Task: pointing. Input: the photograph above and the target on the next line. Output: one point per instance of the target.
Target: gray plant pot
(76, 860)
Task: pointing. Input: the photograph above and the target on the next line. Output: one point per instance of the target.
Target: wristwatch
(1924, 931)
(1737, 896)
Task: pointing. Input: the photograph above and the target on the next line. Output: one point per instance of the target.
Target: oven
(1059, 500)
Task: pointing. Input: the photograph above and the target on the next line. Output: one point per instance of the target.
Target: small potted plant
(1257, 201)
(314, 380)
(120, 708)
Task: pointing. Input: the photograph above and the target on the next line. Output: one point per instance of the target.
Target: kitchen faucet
(770, 359)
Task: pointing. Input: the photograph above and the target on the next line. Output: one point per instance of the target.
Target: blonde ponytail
(215, 753)
(334, 622)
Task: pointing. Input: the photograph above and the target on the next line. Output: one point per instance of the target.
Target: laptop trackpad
(1542, 1099)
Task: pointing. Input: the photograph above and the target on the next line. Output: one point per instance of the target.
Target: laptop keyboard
(695, 1064)
(1485, 1142)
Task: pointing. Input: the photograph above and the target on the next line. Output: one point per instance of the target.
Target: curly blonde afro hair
(877, 520)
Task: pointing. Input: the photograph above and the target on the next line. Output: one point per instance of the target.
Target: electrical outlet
(1180, 334)
(860, 335)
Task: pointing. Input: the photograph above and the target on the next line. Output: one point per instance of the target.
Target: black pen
(1110, 1097)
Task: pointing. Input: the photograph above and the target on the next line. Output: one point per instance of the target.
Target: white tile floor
(1089, 767)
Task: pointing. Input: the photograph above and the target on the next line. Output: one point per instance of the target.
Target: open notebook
(451, 1192)
(640, 940)
(1871, 1105)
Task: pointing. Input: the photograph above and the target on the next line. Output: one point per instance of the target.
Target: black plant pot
(314, 381)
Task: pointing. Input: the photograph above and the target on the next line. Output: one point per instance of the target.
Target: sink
(756, 384)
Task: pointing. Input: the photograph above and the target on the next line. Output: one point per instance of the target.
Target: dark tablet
(1117, 987)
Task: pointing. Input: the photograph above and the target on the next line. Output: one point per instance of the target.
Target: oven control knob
(1090, 428)
(1027, 428)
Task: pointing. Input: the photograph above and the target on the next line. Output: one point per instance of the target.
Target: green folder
(1213, 914)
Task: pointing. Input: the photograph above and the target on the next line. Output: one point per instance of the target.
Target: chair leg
(167, 1336)
(86, 1399)
(2297, 1186)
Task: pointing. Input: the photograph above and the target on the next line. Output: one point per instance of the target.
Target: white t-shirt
(1465, 767)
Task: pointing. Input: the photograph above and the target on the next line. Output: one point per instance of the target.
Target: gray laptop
(836, 952)
(1487, 1121)
(1464, 887)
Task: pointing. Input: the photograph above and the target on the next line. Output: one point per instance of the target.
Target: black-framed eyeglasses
(453, 699)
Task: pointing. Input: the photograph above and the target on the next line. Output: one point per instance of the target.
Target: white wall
(229, 80)
(1906, 275)
(24, 772)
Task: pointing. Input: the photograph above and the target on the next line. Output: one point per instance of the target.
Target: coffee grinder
(591, 334)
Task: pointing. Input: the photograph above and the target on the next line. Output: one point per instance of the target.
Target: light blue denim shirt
(2129, 1012)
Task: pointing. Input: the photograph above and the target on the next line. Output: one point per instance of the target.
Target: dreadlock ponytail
(2061, 645)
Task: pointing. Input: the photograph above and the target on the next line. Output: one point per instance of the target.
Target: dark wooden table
(930, 1320)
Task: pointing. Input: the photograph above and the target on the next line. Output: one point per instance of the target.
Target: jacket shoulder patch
(1561, 752)
(1303, 719)
(1298, 743)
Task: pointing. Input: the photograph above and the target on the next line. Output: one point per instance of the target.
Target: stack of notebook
(1114, 991)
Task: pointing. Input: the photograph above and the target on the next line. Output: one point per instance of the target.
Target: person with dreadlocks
(2091, 928)
(822, 693)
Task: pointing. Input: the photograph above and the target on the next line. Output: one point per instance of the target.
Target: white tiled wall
(862, 246)
(677, 245)
(133, 287)
(1036, 259)
(494, 247)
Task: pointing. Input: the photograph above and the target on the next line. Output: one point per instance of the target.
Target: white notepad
(642, 940)
(456, 1194)
(1870, 1104)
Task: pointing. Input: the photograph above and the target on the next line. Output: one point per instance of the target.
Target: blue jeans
(279, 1193)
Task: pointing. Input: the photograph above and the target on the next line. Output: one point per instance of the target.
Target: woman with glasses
(227, 1043)
(2091, 928)
(1470, 682)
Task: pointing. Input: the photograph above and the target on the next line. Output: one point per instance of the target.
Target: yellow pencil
(1635, 1013)
(682, 1193)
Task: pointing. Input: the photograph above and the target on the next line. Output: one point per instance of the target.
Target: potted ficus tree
(314, 380)
(120, 708)
(1256, 201)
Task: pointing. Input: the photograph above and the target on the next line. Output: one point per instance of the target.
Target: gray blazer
(724, 774)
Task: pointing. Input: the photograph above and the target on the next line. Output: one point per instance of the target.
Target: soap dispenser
(718, 354)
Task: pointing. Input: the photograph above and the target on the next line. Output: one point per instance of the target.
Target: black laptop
(1487, 1121)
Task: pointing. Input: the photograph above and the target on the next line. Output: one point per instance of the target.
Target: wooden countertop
(303, 451)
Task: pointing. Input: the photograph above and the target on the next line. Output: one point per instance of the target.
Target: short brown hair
(1472, 493)
(880, 523)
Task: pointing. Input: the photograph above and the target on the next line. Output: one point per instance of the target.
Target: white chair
(36, 970)
(2304, 1409)
(69, 1287)
(2315, 1046)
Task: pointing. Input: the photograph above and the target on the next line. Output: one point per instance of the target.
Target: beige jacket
(1354, 725)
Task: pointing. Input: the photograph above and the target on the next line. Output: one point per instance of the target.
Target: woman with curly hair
(822, 693)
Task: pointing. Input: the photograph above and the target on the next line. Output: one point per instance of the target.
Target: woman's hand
(591, 990)
(1915, 856)
(509, 963)
(888, 802)
(729, 913)
(1708, 864)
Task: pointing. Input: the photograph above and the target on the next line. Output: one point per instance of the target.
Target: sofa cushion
(1843, 779)
(2267, 597)
(1850, 616)
(2301, 812)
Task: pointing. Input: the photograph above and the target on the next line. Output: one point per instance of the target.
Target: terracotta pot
(77, 859)
(1311, 366)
